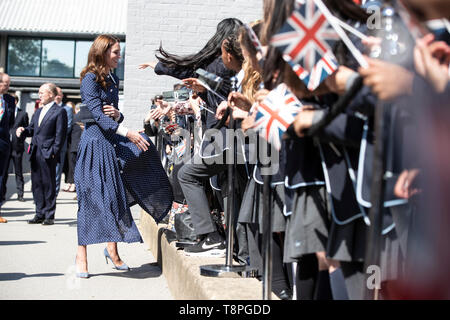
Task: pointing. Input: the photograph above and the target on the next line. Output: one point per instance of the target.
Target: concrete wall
(183, 27)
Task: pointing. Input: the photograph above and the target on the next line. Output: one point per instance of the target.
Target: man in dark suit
(17, 148)
(6, 122)
(48, 128)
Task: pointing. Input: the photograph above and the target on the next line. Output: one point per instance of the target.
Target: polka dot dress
(111, 174)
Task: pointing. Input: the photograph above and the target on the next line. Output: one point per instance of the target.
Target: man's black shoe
(36, 220)
(48, 222)
(285, 294)
(20, 198)
(211, 246)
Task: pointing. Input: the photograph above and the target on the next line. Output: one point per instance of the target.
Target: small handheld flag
(252, 35)
(275, 114)
(180, 149)
(306, 41)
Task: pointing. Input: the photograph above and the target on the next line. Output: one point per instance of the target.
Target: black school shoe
(48, 222)
(36, 220)
(213, 245)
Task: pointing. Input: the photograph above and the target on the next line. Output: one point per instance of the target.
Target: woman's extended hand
(195, 103)
(194, 84)
(404, 187)
(148, 64)
(432, 60)
(303, 121)
(110, 111)
(19, 131)
(138, 140)
(220, 112)
(260, 95)
(239, 114)
(338, 80)
(248, 122)
(388, 81)
(154, 114)
(237, 99)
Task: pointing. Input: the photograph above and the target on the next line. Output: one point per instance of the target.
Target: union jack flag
(180, 149)
(306, 41)
(275, 114)
(252, 35)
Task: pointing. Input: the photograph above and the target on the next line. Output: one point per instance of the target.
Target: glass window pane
(24, 56)
(120, 71)
(57, 58)
(81, 56)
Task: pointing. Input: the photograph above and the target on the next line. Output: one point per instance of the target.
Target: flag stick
(332, 20)
(211, 90)
(267, 238)
(378, 186)
(351, 29)
(254, 38)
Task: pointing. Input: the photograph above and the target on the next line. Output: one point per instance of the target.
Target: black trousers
(4, 163)
(43, 181)
(192, 177)
(18, 171)
(72, 162)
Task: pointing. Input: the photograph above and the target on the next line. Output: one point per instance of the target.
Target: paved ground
(37, 262)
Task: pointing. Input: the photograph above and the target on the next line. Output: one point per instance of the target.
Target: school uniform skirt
(307, 223)
(253, 203)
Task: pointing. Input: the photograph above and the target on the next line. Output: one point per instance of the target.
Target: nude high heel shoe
(107, 256)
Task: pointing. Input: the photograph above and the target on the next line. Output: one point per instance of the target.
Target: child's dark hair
(225, 29)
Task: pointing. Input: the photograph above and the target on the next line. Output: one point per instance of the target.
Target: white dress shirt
(44, 112)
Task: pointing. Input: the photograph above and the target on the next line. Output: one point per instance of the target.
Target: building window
(120, 71)
(81, 56)
(24, 57)
(40, 57)
(57, 58)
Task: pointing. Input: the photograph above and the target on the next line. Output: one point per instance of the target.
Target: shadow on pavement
(17, 213)
(150, 270)
(69, 222)
(18, 243)
(19, 276)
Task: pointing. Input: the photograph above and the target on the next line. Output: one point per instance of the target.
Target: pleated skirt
(103, 212)
(307, 227)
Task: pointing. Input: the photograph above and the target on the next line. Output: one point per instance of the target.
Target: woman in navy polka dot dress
(116, 167)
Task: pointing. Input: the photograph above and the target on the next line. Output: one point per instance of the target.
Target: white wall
(183, 27)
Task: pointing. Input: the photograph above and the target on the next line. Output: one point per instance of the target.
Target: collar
(47, 106)
(240, 77)
(111, 77)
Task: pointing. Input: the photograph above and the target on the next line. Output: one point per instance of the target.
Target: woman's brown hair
(96, 58)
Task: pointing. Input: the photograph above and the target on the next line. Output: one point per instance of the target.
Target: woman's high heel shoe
(107, 256)
(82, 275)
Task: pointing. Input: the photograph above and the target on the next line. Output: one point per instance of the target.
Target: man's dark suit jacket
(6, 124)
(46, 143)
(50, 135)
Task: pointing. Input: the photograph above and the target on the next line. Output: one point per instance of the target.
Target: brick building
(183, 27)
